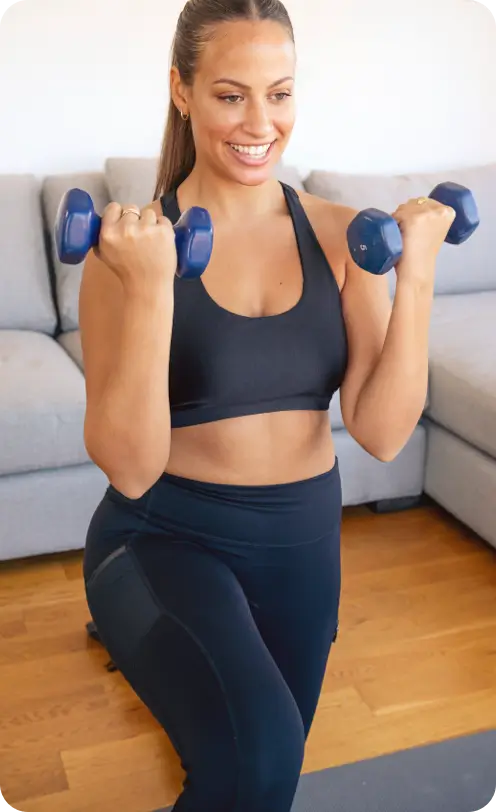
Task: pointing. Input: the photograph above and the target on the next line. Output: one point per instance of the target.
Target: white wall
(382, 85)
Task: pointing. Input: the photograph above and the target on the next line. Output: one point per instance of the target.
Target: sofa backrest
(28, 209)
(463, 268)
(26, 299)
(132, 180)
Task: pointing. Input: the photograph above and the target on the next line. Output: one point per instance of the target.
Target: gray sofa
(49, 487)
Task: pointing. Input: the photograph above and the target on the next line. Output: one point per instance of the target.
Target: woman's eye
(229, 99)
(233, 98)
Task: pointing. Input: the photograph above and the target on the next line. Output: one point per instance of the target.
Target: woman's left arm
(384, 390)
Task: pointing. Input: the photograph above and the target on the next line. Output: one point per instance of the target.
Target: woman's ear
(178, 91)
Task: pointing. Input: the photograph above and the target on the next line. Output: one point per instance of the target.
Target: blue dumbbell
(77, 229)
(374, 237)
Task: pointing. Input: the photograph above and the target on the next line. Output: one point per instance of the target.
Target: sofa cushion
(68, 277)
(26, 301)
(132, 180)
(335, 414)
(71, 342)
(42, 404)
(460, 268)
(463, 369)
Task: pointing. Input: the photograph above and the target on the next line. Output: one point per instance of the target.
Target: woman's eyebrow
(247, 87)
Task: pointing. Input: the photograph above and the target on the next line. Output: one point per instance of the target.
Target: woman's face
(241, 102)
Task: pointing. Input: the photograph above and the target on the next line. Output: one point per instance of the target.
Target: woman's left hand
(424, 226)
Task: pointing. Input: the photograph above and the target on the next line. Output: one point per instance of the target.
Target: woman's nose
(258, 121)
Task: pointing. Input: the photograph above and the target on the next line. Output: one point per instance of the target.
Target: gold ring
(131, 211)
(421, 200)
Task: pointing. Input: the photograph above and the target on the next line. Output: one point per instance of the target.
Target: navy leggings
(219, 605)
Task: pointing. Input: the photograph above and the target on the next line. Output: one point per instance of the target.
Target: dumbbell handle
(375, 240)
(78, 226)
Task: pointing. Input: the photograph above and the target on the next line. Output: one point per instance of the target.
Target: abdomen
(255, 449)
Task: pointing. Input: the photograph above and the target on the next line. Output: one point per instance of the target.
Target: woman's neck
(228, 201)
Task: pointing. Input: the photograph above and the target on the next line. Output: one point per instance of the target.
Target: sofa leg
(396, 505)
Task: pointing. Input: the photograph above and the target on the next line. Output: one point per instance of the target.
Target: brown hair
(195, 27)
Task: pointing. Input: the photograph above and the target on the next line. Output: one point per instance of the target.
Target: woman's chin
(253, 178)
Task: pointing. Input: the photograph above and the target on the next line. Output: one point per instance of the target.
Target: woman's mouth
(250, 154)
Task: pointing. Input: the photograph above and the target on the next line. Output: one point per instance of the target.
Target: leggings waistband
(252, 491)
(233, 518)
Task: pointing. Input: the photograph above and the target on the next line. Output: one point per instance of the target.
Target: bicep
(366, 305)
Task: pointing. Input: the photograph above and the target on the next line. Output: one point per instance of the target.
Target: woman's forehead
(261, 49)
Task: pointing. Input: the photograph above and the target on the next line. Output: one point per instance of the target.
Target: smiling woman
(212, 565)
(220, 120)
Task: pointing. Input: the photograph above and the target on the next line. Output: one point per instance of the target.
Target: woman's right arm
(125, 321)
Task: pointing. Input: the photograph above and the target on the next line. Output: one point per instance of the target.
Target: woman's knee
(271, 760)
(263, 773)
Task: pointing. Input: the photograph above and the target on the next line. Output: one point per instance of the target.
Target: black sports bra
(223, 364)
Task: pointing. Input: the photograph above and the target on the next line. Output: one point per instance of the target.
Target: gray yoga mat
(458, 775)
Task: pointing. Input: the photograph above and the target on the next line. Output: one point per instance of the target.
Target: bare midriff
(261, 449)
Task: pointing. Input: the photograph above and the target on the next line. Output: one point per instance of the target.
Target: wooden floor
(415, 663)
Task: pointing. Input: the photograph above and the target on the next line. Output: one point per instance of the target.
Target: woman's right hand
(140, 251)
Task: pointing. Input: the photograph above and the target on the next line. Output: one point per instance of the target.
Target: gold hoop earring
(184, 116)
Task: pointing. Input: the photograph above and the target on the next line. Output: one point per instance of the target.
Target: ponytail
(177, 157)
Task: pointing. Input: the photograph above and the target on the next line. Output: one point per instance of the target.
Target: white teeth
(262, 150)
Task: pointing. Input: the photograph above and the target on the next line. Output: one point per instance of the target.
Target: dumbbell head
(374, 240)
(462, 201)
(77, 229)
(374, 237)
(194, 242)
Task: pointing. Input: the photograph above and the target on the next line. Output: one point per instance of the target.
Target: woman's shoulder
(325, 212)
(330, 223)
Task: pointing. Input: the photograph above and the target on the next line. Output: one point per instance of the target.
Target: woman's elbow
(128, 469)
(385, 455)
(381, 452)
(384, 449)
